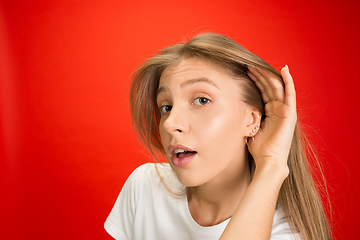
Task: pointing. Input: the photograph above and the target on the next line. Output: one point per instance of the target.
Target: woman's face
(203, 122)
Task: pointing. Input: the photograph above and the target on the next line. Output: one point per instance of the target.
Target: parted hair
(298, 196)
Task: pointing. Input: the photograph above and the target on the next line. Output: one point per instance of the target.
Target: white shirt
(144, 209)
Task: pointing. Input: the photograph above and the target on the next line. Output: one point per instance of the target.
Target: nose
(176, 122)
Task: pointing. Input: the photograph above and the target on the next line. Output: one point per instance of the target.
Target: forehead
(202, 75)
(193, 68)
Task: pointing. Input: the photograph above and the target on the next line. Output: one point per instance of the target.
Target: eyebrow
(190, 82)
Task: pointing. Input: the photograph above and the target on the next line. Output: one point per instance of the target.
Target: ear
(253, 123)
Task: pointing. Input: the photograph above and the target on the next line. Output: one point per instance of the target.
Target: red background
(67, 144)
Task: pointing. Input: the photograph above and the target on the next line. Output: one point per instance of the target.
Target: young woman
(226, 123)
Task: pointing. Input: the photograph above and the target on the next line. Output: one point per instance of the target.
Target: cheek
(221, 125)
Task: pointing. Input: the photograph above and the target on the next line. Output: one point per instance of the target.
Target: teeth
(179, 151)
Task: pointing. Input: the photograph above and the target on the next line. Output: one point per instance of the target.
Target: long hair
(298, 195)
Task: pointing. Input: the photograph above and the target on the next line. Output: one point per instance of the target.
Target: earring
(253, 132)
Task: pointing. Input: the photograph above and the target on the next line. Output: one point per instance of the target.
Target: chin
(189, 181)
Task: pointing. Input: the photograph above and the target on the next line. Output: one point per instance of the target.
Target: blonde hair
(298, 196)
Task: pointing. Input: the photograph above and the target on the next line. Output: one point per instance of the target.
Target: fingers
(260, 86)
(269, 85)
(290, 95)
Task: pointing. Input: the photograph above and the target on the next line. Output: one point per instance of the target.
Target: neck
(216, 201)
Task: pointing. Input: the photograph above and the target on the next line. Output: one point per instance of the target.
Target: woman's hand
(271, 145)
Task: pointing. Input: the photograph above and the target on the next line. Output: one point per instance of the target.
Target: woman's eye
(165, 109)
(201, 101)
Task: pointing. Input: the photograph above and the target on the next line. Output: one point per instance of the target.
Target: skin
(210, 118)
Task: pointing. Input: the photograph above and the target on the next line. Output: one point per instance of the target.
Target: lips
(181, 155)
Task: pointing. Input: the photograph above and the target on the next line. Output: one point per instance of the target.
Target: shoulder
(151, 177)
(139, 178)
(142, 191)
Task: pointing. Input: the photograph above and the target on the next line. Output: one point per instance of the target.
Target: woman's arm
(254, 215)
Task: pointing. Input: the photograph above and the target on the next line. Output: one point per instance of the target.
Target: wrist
(271, 171)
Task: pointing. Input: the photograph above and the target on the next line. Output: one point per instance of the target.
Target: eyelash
(207, 100)
(162, 108)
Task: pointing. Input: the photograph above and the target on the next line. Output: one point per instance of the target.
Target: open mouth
(182, 157)
(180, 153)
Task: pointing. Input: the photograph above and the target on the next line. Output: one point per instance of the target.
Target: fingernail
(287, 67)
